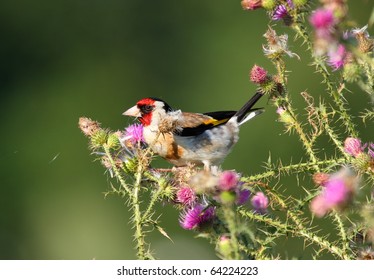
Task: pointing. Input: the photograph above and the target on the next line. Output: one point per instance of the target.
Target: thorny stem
(230, 219)
(331, 133)
(117, 172)
(139, 235)
(299, 231)
(343, 236)
(155, 196)
(293, 168)
(294, 216)
(320, 66)
(295, 123)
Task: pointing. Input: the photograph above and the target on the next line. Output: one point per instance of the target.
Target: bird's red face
(146, 108)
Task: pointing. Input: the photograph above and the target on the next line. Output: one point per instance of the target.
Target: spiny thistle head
(337, 192)
(99, 138)
(277, 46)
(251, 4)
(113, 141)
(337, 57)
(186, 195)
(131, 164)
(351, 72)
(284, 116)
(281, 13)
(365, 43)
(242, 196)
(269, 4)
(258, 75)
(224, 246)
(88, 126)
(320, 178)
(322, 19)
(228, 180)
(196, 216)
(260, 203)
(134, 133)
(353, 146)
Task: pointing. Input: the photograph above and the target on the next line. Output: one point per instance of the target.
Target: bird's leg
(206, 165)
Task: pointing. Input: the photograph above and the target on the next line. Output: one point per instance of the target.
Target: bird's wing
(192, 124)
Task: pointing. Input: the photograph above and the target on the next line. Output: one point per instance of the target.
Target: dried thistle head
(276, 46)
(365, 43)
(367, 254)
(88, 126)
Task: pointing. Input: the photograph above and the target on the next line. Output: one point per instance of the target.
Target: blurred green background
(64, 59)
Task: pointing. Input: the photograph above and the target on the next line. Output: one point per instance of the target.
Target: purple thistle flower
(134, 133)
(322, 19)
(336, 192)
(243, 196)
(318, 206)
(196, 216)
(228, 180)
(280, 110)
(258, 75)
(336, 57)
(371, 150)
(353, 146)
(290, 4)
(186, 195)
(280, 12)
(260, 202)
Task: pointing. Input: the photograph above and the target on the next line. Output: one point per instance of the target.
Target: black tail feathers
(241, 114)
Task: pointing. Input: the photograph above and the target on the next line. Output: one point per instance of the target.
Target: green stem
(293, 168)
(343, 236)
(139, 234)
(230, 219)
(331, 89)
(161, 186)
(299, 231)
(117, 172)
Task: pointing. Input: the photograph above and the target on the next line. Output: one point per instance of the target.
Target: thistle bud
(269, 4)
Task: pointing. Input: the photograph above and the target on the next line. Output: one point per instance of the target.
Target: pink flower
(134, 133)
(318, 206)
(336, 57)
(338, 191)
(242, 196)
(228, 180)
(260, 202)
(196, 216)
(322, 19)
(258, 75)
(280, 110)
(353, 146)
(251, 4)
(335, 192)
(186, 195)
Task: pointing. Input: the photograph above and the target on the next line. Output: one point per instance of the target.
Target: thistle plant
(245, 215)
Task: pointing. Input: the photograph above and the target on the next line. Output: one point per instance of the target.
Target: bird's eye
(146, 109)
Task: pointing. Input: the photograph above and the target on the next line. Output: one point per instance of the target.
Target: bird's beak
(133, 112)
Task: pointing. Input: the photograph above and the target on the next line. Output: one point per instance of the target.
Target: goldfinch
(182, 138)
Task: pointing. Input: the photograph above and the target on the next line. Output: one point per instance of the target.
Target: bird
(183, 138)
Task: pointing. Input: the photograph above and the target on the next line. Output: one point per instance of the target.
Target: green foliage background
(64, 59)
